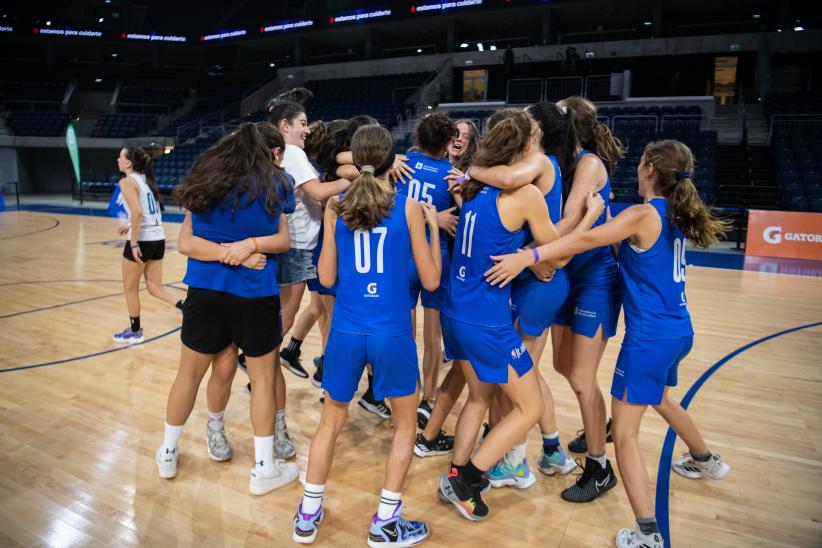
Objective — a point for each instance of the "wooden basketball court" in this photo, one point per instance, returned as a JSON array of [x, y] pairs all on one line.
[[79, 423]]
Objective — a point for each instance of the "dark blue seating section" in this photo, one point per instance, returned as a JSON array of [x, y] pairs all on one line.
[[13, 92], [123, 125], [792, 103], [624, 182], [798, 160], [170, 168], [383, 97], [37, 123], [210, 100], [151, 99]]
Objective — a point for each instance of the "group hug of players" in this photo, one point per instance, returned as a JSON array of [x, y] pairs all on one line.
[[505, 236]]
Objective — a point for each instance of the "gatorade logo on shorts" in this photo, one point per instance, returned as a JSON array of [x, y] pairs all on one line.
[[461, 273]]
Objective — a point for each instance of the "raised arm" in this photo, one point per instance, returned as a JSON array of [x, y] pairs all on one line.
[[427, 255], [516, 175], [320, 192], [327, 265]]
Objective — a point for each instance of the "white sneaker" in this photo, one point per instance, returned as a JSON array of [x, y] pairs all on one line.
[[714, 467], [282, 474], [219, 448], [627, 538], [166, 462]]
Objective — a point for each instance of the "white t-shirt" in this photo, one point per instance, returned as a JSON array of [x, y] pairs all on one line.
[[304, 223]]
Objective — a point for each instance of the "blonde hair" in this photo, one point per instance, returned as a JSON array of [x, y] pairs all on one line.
[[367, 202], [674, 167]]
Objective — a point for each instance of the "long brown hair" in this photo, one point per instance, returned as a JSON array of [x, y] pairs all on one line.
[[314, 141], [467, 156], [593, 135], [273, 138], [559, 137], [674, 166], [506, 137], [367, 202], [237, 168], [141, 163]]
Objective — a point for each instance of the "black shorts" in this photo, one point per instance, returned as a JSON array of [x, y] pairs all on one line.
[[214, 319], [153, 250]]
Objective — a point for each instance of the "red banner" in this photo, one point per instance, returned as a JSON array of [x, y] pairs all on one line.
[[787, 234]]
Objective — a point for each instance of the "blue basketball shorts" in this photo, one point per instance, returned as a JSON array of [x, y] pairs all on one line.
[[536, 303], [430, 299], [590, 305], [644, 368]]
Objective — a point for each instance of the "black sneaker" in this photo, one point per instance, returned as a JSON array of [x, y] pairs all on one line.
[[579, 443], [291, 361], [424, 413], [465, 498], [371, 405], [593, 482], [441, 445], [317, 377]]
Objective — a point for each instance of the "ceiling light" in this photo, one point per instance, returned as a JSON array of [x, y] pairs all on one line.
[[493, 48], [115, 55], [419, 50], [464, 45], [100, 20], [98, 80], [757, 15], [480, 47], [48, 23], [798, 28], [647, 23], [272, 65]]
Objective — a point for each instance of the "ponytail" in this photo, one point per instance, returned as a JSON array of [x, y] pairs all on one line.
[[141, 163], [367, 202], [607, 146], [674, 165], [592, 134], [559, 137]]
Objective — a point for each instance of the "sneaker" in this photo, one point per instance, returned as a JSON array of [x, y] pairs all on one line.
[[218, 447], [441, 445], [127, 336], [282, 474], [317, 377], [166, 462], [465, 498], [424, 413], [627, 538], [714, 467], [306, 525], [558, 461], [291, 360], [283, 446], [580, 445], [505, 474], [593, 482], [371, 405], [396, 531]]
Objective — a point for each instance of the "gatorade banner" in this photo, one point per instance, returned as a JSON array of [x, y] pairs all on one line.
[[787, 234], [74, 152]]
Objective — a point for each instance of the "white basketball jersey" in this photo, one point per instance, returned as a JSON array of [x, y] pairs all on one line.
[[151, 223]]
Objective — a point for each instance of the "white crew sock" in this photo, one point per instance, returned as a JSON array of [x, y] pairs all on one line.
[[216, 422], [312, 498], [264, 454], [389, 500], [516, 454], [171, 436], [601, 459]]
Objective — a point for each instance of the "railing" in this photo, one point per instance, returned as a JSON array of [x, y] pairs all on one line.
[[668, 118], [525, 90], [795, 122], [560, 87], [598, 87]]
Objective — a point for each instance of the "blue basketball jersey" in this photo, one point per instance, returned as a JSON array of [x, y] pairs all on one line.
[[428, 185], [595, 265], [653, 284], [373, 274], [480, 234]]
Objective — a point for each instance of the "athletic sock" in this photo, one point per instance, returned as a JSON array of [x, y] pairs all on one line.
[[294, 345], [702, 457], [264, 454], [457, 467], [599, 458], [135, 323], [516, 454], [180, 304], [647, 526], [171, 435], [550, 443], [471, 473], [279, 421], [216, 422], [371, 383], [312, 498], [389, 500]]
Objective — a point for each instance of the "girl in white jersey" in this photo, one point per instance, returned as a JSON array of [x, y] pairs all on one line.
[[145, 244]]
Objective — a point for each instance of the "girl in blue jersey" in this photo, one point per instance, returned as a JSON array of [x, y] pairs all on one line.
[[371, 235], [658, 330], [233, 194], [429, 160], [477, 324], [536, 299]]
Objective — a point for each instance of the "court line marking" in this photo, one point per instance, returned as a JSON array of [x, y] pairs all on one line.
[[95, 354], [666, 455], [55, 225], [34, 282], [100, 297]]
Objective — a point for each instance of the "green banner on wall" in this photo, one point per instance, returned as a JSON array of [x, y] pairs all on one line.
[[74, 152]]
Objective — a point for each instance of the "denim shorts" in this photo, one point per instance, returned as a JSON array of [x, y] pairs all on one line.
[[295, 266]]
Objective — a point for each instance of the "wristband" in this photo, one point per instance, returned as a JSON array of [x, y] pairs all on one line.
[[535, 253], [459, 180], [256, 245], [135, 246]]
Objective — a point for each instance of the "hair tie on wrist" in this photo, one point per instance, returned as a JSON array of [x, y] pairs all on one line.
[[134, 246], [367, 169], [535, 253], [682, 175]]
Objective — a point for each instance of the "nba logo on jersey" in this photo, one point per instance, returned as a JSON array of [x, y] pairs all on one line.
[[372, 290]]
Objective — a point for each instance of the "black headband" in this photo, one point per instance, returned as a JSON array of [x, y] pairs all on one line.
[[682, 175]]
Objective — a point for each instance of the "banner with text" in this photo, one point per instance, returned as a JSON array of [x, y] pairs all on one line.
[[788, 234]]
